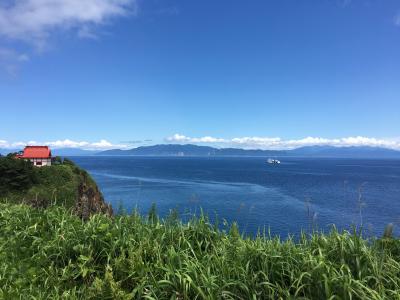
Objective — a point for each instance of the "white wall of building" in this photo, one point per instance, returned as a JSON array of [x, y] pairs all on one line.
[[40, 162]]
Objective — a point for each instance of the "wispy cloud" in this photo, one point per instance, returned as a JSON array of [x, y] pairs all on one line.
[[87, 33], [278, 143], [397, 19], [35, 20], [10, 60], [67, 143], [171, 10]]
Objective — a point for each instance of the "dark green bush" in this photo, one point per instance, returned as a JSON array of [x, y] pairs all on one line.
[[16, 175], [56, 184]]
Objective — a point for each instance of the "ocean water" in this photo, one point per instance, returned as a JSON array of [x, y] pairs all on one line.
[[298, 194]]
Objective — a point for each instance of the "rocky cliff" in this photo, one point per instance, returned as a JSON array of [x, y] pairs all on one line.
[[90, 201], [64, 184]]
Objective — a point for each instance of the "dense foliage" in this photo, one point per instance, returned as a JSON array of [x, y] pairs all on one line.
[[21, 182], [50, 253], [15, 175]]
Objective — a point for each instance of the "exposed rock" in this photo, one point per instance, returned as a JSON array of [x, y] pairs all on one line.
[[90, 201]]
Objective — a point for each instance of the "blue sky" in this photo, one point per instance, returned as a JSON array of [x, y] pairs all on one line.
[[254, 74]]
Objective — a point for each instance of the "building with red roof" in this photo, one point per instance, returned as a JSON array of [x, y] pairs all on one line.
[[38, 155]]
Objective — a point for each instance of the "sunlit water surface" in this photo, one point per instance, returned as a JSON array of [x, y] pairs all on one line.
[[287, 198]]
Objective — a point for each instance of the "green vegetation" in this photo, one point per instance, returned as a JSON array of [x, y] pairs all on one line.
[[51, 253], [57, 184], [15, 175], [58, 246]]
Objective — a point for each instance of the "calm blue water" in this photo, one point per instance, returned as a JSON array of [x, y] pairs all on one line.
[[285, 198]]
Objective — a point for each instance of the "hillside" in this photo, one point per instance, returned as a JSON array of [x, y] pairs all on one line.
[[189, 150], [311, 151], [63, 184], [164, 150]]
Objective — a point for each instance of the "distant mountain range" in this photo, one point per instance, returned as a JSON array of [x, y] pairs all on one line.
[[310, 151], [345, 152], [205, 151], [187, 150]]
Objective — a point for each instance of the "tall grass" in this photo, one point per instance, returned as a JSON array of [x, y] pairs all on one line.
[[50, 253]]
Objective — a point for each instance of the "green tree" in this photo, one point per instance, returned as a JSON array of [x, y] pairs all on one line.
[[16, 174]]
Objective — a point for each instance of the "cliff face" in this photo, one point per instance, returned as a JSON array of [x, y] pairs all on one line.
[[90, 201], [62, 184]]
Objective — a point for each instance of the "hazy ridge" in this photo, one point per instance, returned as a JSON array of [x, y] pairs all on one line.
[[310, 151], [206, 151]]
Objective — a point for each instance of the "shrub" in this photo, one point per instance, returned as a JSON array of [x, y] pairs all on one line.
[[15, 175], [20, 181]]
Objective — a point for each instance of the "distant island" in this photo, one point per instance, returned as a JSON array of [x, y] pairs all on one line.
[[206, 151]]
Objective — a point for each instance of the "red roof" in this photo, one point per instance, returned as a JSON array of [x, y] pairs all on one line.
[[36, 152]]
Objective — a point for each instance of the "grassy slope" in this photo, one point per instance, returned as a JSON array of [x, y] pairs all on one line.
[[57, 184], [50, 253]]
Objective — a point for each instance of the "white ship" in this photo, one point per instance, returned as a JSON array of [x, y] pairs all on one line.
[[273, 161]]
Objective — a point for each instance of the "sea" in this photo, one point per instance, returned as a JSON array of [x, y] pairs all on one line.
[[298, 195]]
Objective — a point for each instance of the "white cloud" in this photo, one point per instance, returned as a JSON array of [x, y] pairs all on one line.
[[35, 20], [184, 139], [178, 138], [278, 143], [273, 143], [103, 144], [3, 144], [207, 139], [67, 143]]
